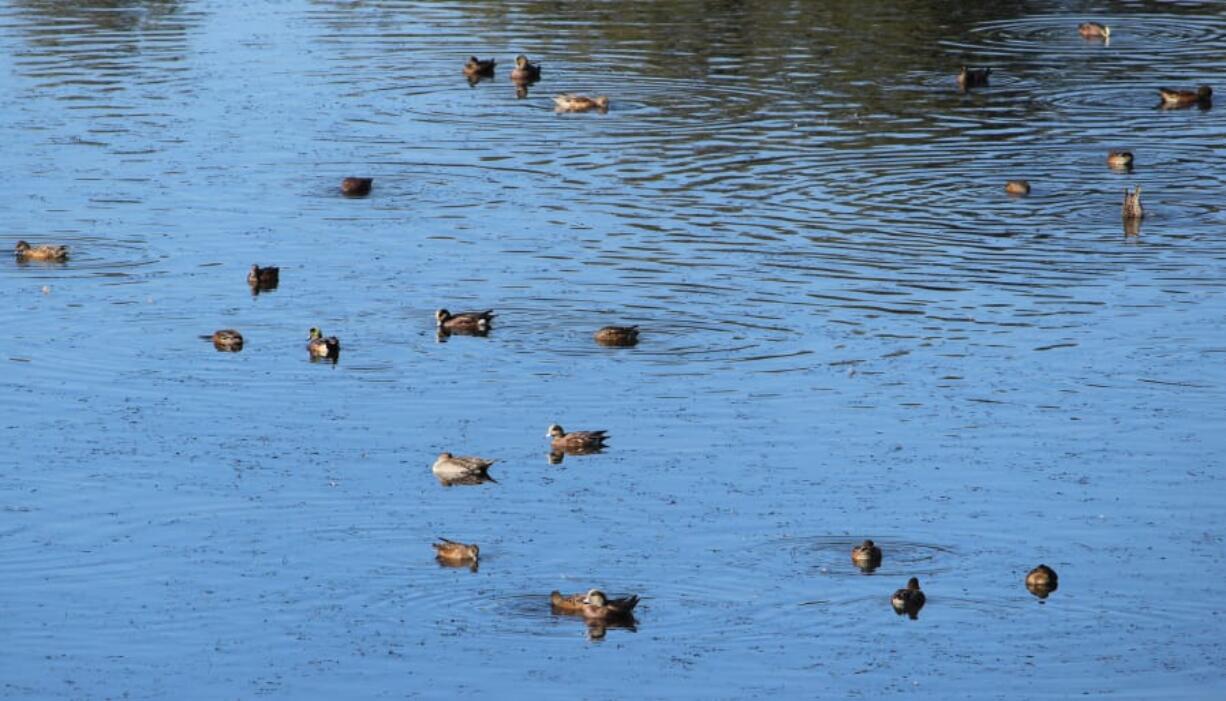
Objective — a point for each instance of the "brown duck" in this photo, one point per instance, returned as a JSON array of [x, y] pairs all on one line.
[[973, 77], [1132, 203], [478, 68], [580, 103], [866, 555], [1042, 581], [1202, 96], [576, 442], [1119, 159], [24, 251], [452, 552], [464, 322], [598, 607], [908, 600], [264, 278], [226, 340], [617, 336], [356, 187], [525, 71], [1017, 187]]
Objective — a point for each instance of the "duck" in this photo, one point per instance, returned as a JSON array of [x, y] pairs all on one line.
[[1017, 187], [580, 103], [464, 322], [576, 442], [525, 71], [1202, 96], [566, 603], [476, 67], [24, 251], [450, 551], [322, 347], [1094, 30], [226, 340], [1119, 159], [866, 555], [1132, 203], [908, 600], [356, 187], [617, 336], [1042, 581], [264, 278], [462, 469], [598, 607], [973, 77]]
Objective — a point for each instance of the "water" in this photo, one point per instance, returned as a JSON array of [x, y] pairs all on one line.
[[849, 331]]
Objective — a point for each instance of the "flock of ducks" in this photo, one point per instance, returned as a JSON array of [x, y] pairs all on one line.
[[1119, 160], [594, 606]]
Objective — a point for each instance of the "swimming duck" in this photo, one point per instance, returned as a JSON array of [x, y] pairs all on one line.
[[1017, 187], [525, 71], [1132, 204], [908, 600], [973, 77], [464, 322], [264, 278], [576, 442], [356, 187], [1094, 30], [617, 336], [580, 103], [461, 469], [1119, 159], [226, 340], [24, 251], [476, 67], [1042, 581], [598, 607], [322, 347], [866, 555], [459, 553], [1202, 96]]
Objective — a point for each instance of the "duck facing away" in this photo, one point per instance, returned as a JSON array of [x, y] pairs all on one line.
[[478, 68], [866, 556], [452, 552], [465, 322], [461, 469], [525, 71], [973, 77], [598, 607], [1132, 203], [1119, 159], [1094, 30], [580, 103], [1202, 96], [617, 336], [908, 600], [576, 442], [356, 187], [1017, 187], [264, 278], [24, 251], [321, 346], [226, 340], [1042, 581]]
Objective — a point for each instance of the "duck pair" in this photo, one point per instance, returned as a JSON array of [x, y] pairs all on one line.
[[318, 346], [524, 72], [471, 469]]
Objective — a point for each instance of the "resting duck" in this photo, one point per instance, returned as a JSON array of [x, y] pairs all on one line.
[[617, 336], [461, 469], [449, 551], [566, 603], [1132, 203], [264, 278], [908, 600], [478, 68], [356, 187], [598, 607], [1017, 187], [464, 322], [1119, 159], [973, 77], [576, 442], [226, 340], [24, 251], [525, 71], [1202, 96], [1042, 581], [866, 555], [1094, 30], [320, 346], [580, 103]]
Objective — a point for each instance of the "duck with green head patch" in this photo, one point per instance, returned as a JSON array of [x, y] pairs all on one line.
[[320, 346]]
